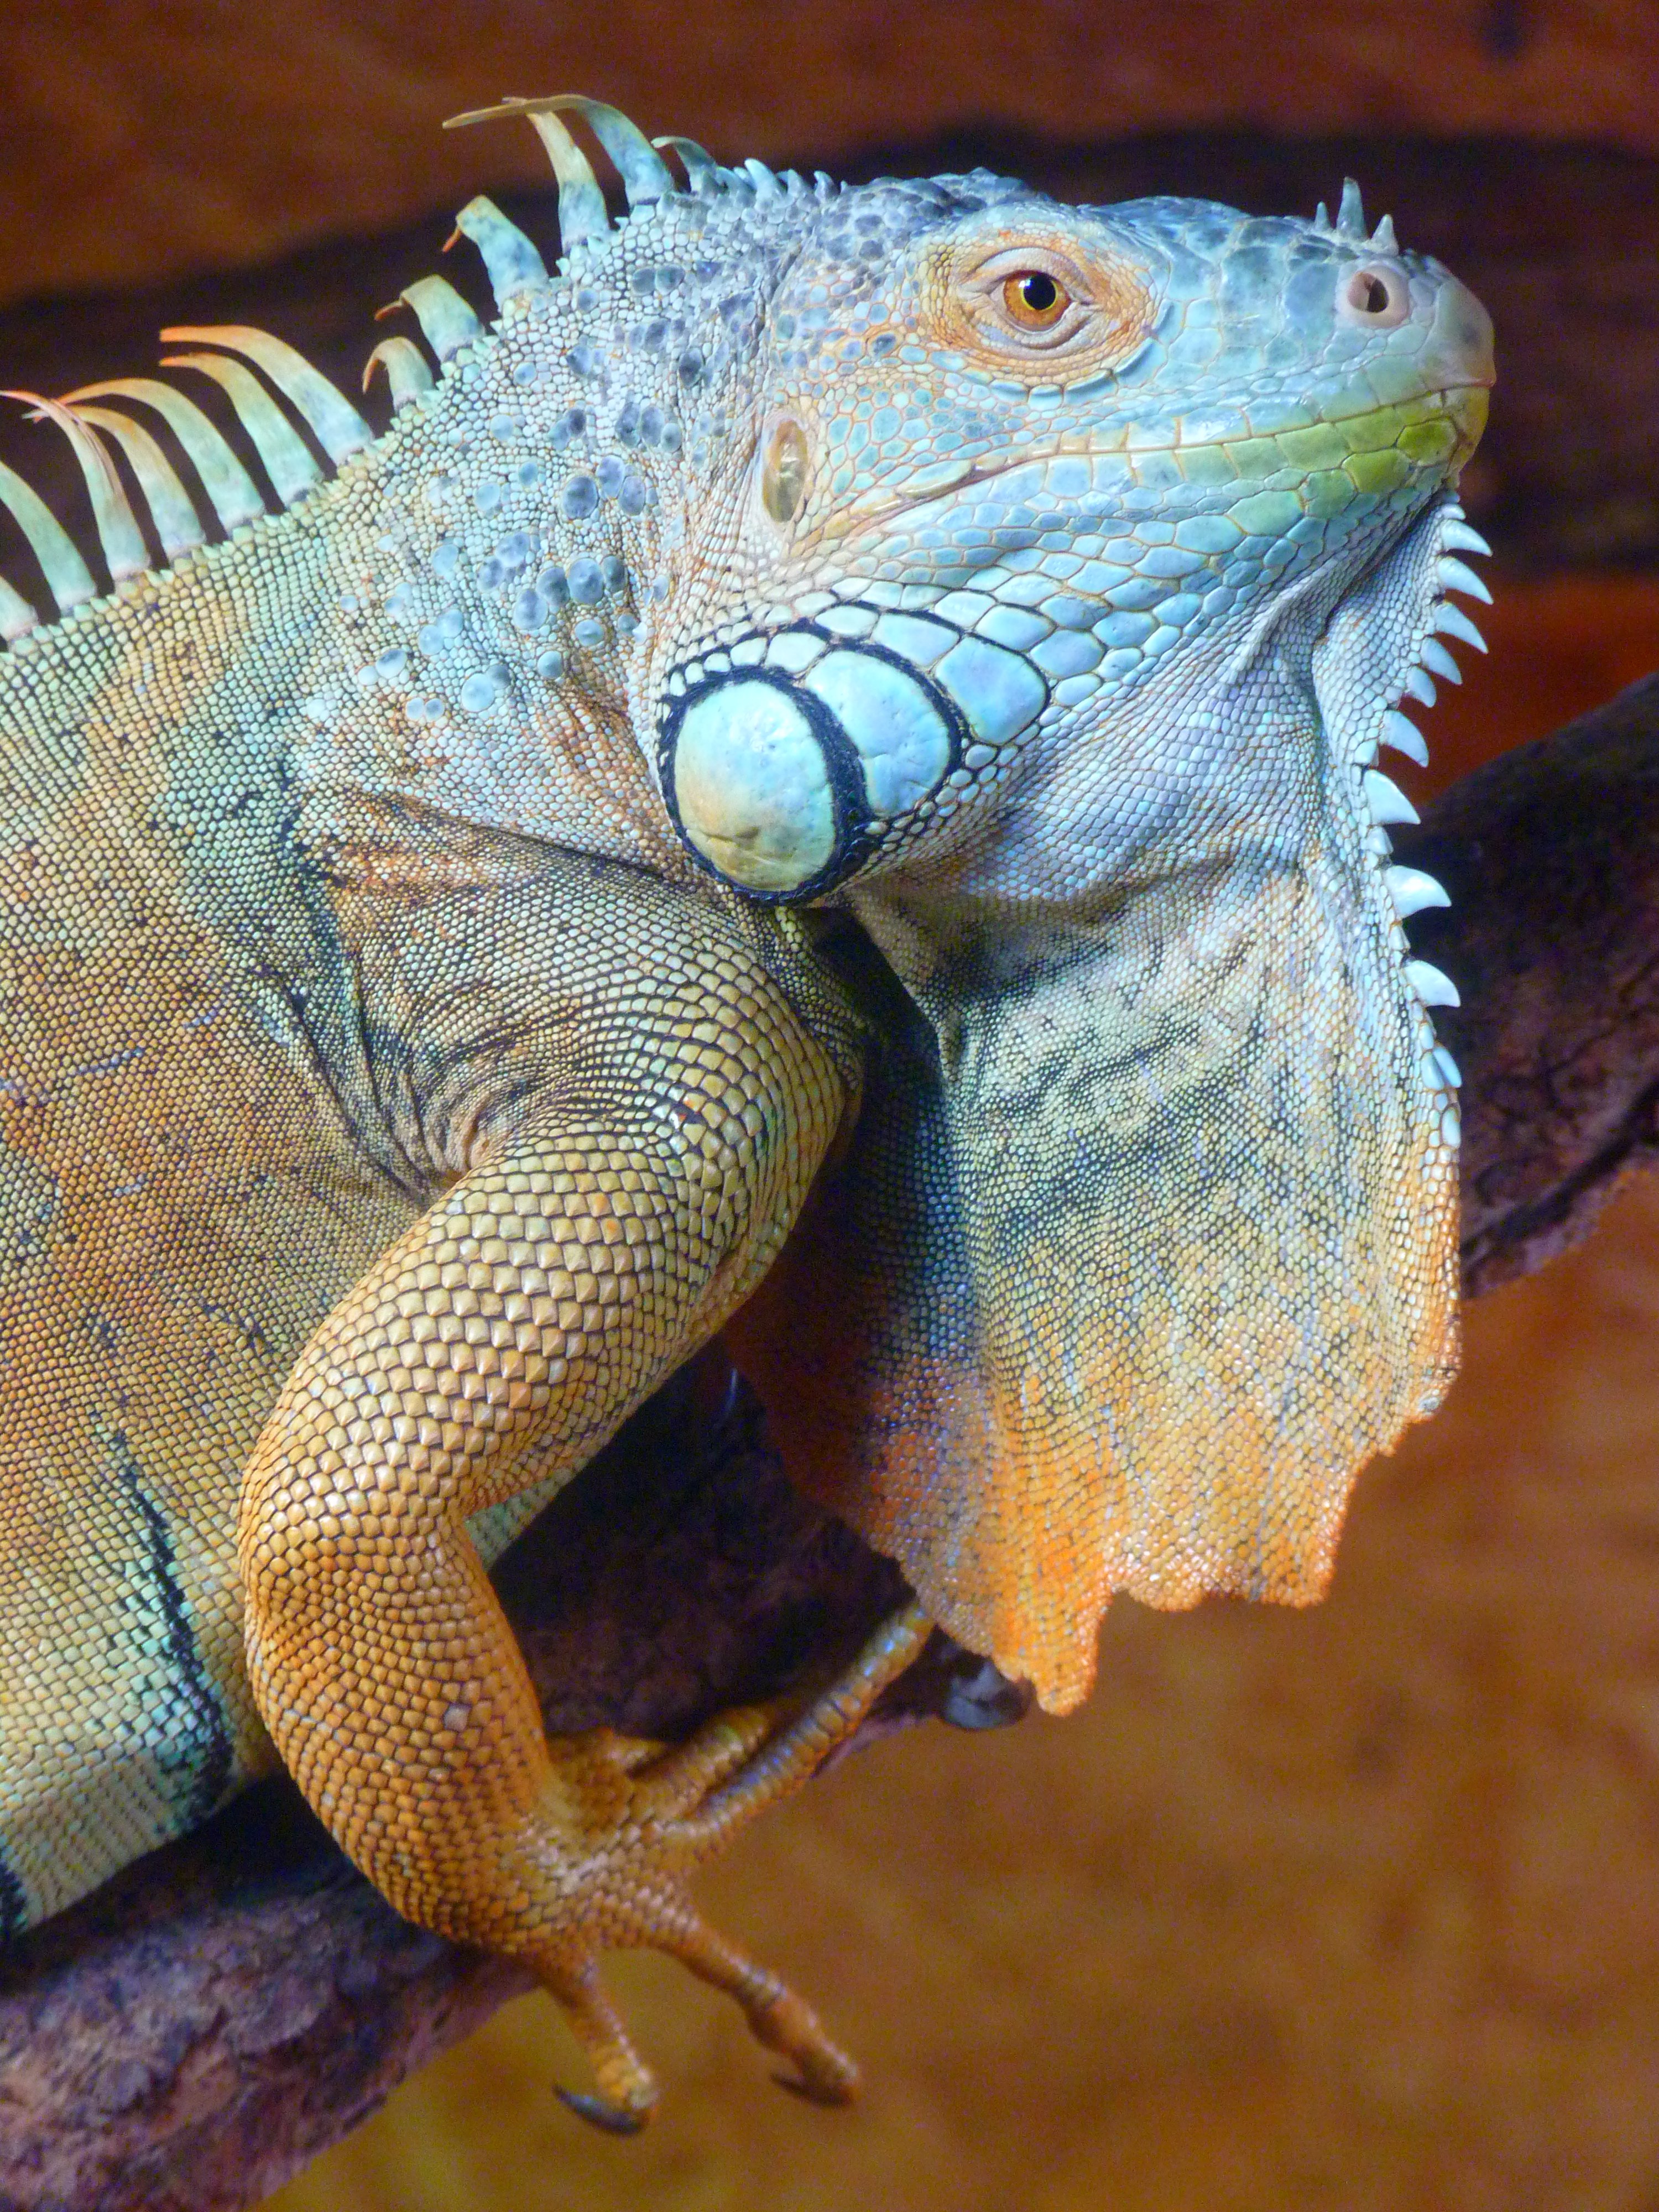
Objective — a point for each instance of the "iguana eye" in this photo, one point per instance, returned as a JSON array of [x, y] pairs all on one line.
[[1033, 300], [1023, 303]]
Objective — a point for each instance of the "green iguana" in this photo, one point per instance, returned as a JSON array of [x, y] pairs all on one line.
[[919, 630]]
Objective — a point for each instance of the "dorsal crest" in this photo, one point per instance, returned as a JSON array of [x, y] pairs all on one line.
[[298, 425]]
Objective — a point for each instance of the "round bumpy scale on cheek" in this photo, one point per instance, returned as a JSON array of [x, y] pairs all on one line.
[[901, 740], [752, 787]]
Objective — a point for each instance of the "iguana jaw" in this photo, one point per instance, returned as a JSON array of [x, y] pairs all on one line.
[[1436, 428]]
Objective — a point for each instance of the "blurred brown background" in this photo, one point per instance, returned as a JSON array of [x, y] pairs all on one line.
[[1351, 1909]]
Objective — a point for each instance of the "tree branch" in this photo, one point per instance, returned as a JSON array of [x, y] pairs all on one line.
[[1550, 854]]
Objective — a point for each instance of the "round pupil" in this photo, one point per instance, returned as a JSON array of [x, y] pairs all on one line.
[[1038, 292]]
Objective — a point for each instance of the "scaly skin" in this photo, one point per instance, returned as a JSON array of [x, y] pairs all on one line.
[[415, 1047]]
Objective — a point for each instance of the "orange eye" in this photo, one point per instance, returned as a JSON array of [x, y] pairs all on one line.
[[1033, 300]]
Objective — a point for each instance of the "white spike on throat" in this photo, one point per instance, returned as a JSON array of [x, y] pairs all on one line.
[[1404, 736], [1452, 622], [1432, 987], [1411, 891], [1457, 576], [1459, 536], [1385, 802]]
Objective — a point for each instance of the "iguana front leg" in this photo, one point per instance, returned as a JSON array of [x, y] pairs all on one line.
[[496, 1343]]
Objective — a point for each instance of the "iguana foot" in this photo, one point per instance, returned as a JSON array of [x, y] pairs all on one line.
[[647, 1817]]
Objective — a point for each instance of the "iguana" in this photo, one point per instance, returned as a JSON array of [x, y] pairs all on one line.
[[918, 639]]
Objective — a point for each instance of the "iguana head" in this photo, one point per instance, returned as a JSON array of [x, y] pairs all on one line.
[[1009, 478]]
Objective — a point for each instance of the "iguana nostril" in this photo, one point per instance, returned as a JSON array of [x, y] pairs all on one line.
[[1374, 296]]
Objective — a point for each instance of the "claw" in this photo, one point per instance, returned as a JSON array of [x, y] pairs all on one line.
[[809, 2095], [609, 2119], [627, 2088], [826, 2074]]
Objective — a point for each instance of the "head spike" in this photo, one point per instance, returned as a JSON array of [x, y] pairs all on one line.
[[406, 371], [582, 203], [287, 462], [177, 522], [67, 577], [703, 170], [122, 540], [645, 176], [447, 322], [341, 430], [234, 495], [1322, 218], [510, 258], [1351, 214], [1382, 237]]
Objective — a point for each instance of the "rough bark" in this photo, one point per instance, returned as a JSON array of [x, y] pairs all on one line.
[[1550, 854], [188, 2036]]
